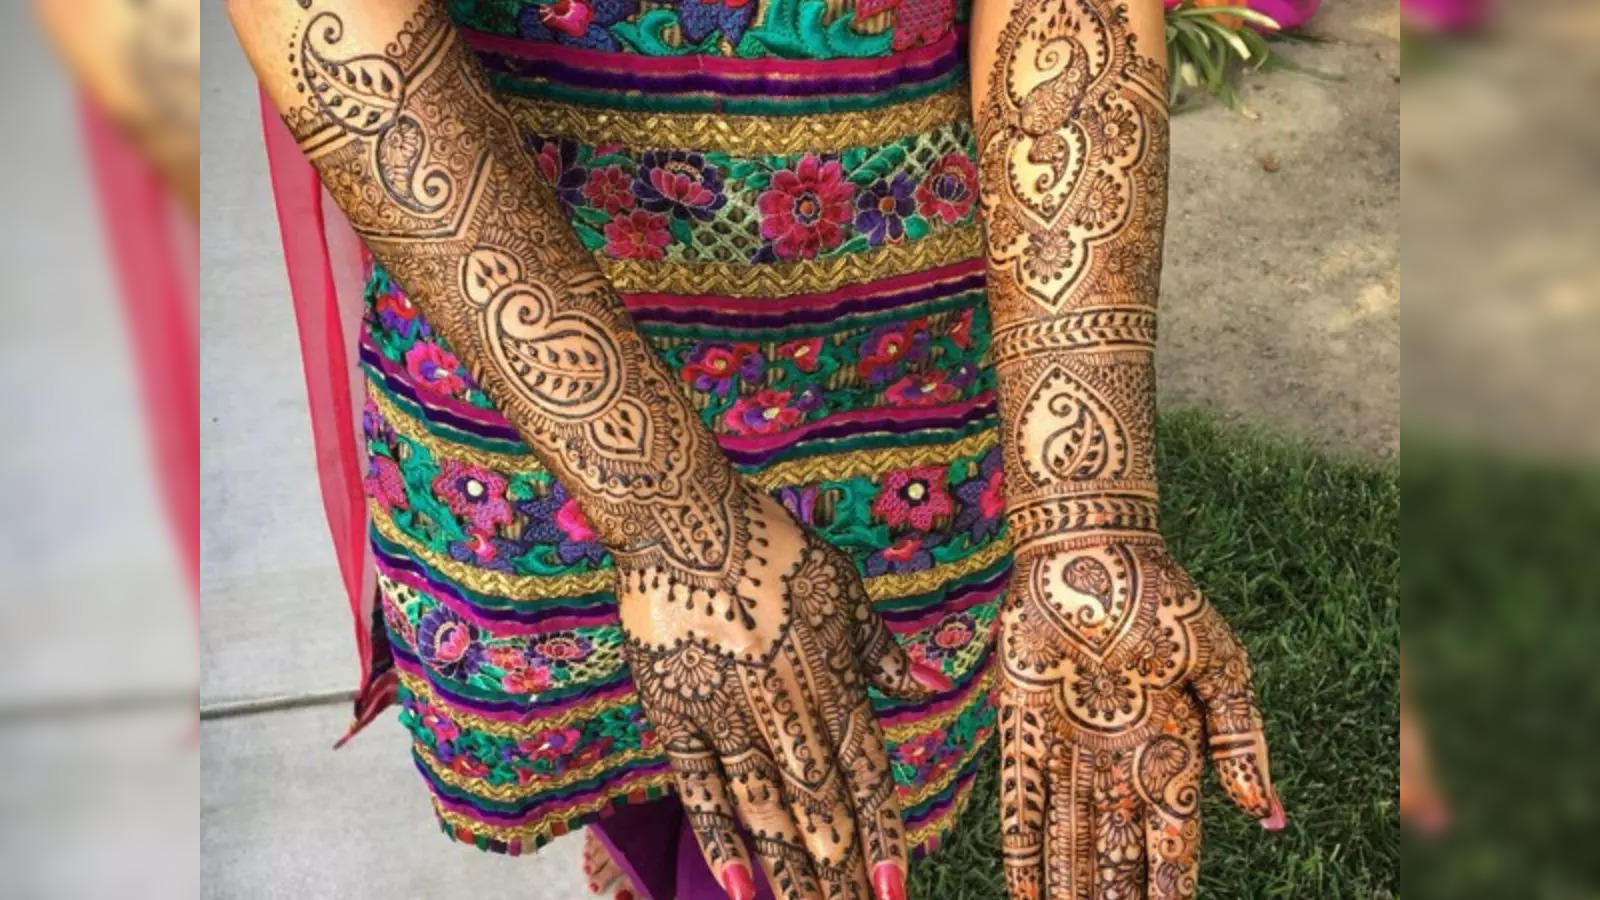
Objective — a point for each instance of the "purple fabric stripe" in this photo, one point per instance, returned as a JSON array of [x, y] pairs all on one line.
[[948, 598], [397, 385], [920, 427], [706, 82], [752, 321]]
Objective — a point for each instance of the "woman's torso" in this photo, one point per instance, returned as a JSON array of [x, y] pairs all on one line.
[[783, 191]]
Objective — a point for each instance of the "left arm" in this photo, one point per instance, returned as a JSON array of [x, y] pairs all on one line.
[[1116, 671]]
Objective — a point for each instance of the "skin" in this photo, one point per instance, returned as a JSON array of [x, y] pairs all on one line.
[[140, 63], [1118, 676], [751, 641]]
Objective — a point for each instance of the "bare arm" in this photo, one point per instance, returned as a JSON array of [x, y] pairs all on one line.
[[1117, 672], [750, 641]]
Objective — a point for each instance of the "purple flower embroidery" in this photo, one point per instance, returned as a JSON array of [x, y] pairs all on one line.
[[449, 644], [882, 208], [982, 500], [554, 519], [801, 502], [701, 18], [713, 366], [678, 182], [909, 554], [558, 163]]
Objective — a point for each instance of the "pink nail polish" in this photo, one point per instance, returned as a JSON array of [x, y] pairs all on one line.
[[736, 882], [930, 678], [888, 881], [1276, 820]]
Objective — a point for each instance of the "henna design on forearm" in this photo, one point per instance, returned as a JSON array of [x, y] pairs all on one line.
[[750, 641], [1112, 660], [436, 179]]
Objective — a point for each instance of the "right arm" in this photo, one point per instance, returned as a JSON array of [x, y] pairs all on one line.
[[750, 641]]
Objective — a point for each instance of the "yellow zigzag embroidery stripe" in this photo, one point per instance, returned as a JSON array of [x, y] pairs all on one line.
[[805, 276], [740, 135], [811, 470], [539, 587], [424, 691], [522, 588], [544, 827]]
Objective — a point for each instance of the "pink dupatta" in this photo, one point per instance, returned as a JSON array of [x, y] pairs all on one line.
[[326, 264]]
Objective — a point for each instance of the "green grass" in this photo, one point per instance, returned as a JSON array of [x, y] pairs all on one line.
[[1301, 553]]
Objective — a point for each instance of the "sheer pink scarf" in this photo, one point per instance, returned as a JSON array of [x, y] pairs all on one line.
[[326, 264]]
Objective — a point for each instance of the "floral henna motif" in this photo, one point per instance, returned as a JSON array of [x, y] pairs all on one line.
[[776, 731], [1117, 675]]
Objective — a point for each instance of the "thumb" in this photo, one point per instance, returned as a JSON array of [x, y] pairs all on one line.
[[1234, 733], [888, 667]]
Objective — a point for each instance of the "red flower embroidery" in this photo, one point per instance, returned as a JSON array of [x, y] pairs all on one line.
[[609, 189], [888, 345], [804, 212], [961, 330], [922, 390], [915, 497], [637, 235], [569, 518], [949, 189], [805, 354], [476, 494], [768, 412]]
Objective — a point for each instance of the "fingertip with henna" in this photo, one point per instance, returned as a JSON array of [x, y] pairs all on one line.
[[1276, 820], [930, 678], [737, 883], [889, 881]]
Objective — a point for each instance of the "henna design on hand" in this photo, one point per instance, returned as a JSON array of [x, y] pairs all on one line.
[[1116, 672], [752, 643]]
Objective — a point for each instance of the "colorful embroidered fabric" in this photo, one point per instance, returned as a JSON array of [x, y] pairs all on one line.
[[796, 236]]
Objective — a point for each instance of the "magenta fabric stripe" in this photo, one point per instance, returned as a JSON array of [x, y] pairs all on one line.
[[961, 697], [725, 66], [953, 603], [926, 416]]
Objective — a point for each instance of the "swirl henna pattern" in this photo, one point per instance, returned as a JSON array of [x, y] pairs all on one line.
[[1117, 674], [751, 642]]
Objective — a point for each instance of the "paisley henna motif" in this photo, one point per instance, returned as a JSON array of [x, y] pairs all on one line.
[[1117, 673]]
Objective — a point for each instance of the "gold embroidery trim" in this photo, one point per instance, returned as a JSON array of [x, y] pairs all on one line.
[[811, 470], [522, 588], [743, 135], [564, 815], [424, 692], [541, 587], [804, 276]]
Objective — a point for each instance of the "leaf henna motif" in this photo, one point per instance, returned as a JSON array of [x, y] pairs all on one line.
[[363, 93], [402, 167], [1087, 439]]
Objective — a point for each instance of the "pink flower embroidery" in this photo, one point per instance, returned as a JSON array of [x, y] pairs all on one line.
[[474, 493], [435, 369], [609, 189], [768, 412], [949, 189], [915, 497], [570, 17], [804, 211], [638, 235], [570, 519], [384, 483], [961, 331]]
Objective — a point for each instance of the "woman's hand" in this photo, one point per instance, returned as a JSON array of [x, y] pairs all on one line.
[[1116, 675], [758, 684]]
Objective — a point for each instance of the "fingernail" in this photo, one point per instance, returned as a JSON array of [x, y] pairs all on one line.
[[930, 678], [736, 882], [889, 881], [1276, 819]]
